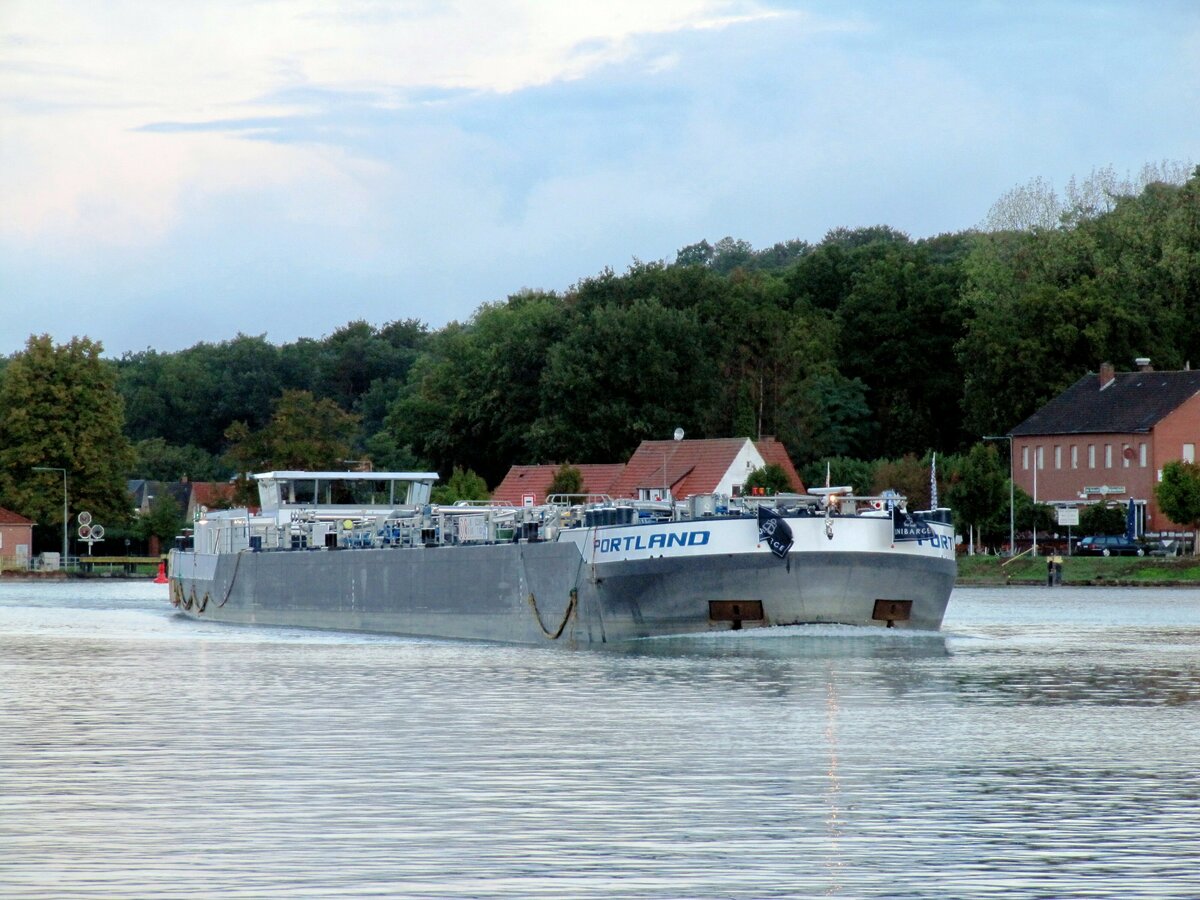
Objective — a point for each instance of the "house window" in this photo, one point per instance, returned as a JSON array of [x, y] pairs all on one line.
[[1091, 456], [1025, 458], [1126, 456], [1041, 457], [1074, 456], [1142, 455], [1189, 453], [1108, 456], [1058, 456]]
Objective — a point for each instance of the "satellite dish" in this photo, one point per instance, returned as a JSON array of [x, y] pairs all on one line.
[[85, 518], [679, 434]]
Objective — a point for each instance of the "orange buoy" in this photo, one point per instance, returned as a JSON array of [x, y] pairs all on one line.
[[162, 573]]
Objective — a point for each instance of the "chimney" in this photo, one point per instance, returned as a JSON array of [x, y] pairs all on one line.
[[1107, 373], [1143, 364]]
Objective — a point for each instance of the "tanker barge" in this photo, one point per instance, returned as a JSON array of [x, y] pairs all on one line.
[[368, 552]]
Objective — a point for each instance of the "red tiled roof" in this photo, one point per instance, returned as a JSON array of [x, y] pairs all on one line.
[[774, 452], [524, 480], [206, 493], [8, 517], [693, 467]]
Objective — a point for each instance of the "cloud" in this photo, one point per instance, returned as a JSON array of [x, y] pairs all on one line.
[[157, 101]]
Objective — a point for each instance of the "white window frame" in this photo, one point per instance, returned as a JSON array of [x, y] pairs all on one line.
[[1189, 453], [1074, 456], [1091, 456], [1108, 456]]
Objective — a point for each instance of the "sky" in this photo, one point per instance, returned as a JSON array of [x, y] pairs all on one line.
[[177, 172]]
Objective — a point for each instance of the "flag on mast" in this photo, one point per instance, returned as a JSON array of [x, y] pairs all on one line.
[[826, 473], [933, 500]]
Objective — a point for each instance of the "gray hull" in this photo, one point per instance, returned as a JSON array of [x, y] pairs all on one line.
[[537, 593]]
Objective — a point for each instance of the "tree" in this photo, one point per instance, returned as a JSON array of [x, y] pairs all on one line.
[[978, 492], [462, 485], [908, 476], [567, 480], [770, 478], [1178, 495], [1099, 518], [157, 460], [624, 374], [162, 522], [61, 409], [304, 433]]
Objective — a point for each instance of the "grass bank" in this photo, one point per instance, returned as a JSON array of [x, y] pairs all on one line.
[[1082, 570]]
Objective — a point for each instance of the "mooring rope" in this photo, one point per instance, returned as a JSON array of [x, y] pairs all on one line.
[[561, 625], [229, 590]]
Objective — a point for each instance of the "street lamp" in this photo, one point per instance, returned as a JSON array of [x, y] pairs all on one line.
[[64, 473], [1012, 477]]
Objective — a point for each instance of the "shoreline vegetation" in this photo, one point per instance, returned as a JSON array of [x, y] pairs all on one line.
[[1081, 571]]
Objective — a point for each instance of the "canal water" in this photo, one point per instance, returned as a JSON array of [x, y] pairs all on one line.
[[1045, 745]]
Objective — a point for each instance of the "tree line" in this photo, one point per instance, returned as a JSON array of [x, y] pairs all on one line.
[[867, 346]]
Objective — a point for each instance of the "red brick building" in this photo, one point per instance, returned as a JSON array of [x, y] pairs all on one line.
[[1107, 438], [16, 539]]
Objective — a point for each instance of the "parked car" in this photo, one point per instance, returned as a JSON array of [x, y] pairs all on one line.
[[1109, 545]]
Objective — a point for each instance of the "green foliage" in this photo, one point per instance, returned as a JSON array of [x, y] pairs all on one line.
[[628, 374], [157, 460], [978, 491], [908, 476], [61, 409], [771, 478], [567, 480], [462, 485], [304, 433], [1032, 515], [1178, 494], [164, 520], [1099, 518]]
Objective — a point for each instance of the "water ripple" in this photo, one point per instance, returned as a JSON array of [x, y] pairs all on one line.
[[1031, 751]]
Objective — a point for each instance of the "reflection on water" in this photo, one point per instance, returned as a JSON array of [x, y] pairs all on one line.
[[1042, 746]]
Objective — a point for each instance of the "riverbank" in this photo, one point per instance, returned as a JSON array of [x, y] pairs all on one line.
[[1081, 571]]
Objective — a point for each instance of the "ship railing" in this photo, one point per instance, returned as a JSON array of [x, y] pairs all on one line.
[[579, 500]]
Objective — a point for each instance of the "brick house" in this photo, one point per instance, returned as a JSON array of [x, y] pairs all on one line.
[[16, 539], [678, 468], [1107, 437]]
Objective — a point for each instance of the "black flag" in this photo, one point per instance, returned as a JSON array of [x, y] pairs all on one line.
[[906, 528], [774, 531]]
